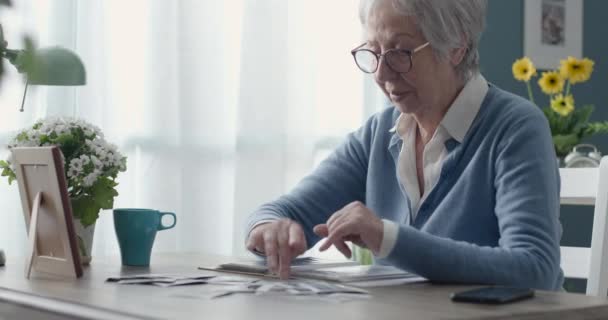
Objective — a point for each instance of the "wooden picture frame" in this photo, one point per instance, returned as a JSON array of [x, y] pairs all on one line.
[[52, 246], [553, 30]]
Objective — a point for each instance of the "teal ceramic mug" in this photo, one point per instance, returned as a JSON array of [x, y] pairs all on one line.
[[136, 230]]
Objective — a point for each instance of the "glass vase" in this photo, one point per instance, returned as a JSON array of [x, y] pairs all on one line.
[[84, 239]]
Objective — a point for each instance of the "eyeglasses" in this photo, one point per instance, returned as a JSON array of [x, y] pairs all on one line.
[[398, 60]]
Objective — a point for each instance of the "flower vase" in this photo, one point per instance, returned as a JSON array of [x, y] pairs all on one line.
[[84, 239]]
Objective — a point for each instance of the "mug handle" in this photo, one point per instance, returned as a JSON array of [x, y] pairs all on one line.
[[160, 222]]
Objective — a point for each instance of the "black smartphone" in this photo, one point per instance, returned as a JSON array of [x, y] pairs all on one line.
[[493, 295]]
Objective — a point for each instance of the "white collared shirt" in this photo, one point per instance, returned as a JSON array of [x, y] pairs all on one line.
[[454, 124]]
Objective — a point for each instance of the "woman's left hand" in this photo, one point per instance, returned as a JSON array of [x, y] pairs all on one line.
[[356, 223]]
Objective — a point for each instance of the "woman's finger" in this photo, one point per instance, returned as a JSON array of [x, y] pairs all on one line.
[[270, 248], [338, 220], [321, 230], [297, 240], [254, 242], [343, 248], [284, 250], [334, 217], [336, 235]]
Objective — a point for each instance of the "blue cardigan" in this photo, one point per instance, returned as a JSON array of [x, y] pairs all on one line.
[[492, 218]]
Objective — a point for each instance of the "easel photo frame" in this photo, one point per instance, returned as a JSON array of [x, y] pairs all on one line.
[[52, 246]]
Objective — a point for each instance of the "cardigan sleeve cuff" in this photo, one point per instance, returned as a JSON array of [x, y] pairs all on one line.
[[389, 238]]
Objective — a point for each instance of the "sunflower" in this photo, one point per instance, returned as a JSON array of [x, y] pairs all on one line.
[[523, 69], [576, 70], [551, 82], [563, 105]]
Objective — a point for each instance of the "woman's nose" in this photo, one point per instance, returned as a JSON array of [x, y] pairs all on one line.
[[384, 72]]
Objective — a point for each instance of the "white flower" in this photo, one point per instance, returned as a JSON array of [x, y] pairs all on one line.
[[34, 137], [85, 159], [29, 143], [90, 179], [72, 173], [92, 158], [61, 129], [75, 168], [97, 163]]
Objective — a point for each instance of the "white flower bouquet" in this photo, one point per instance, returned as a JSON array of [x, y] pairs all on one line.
[[91, 164]]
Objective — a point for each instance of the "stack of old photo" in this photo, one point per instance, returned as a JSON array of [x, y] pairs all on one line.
[[162, 280], [362, 275], [260, 267], [300, 288], [224, 286], [337, 271]]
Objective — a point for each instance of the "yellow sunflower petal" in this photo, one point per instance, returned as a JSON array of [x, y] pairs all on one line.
[[562, 105], [551, 82], [576, 70], [523, 69], [565, 66]]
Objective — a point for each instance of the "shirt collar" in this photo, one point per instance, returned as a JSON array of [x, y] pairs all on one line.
[[463, 110], [461, 113]]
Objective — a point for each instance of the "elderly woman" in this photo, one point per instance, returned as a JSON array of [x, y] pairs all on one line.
[[458, 182]]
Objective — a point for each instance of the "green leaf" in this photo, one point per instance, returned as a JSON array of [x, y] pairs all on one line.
[[581, 116], [7, 171], [22, 137], [44, 139], [99, 196], [564, 143], [573, 127], [557, 122], [595, 127], [85, 209], [68, 144], [104, 192]]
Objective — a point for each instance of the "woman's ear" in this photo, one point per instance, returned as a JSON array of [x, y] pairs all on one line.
[[457, 55]]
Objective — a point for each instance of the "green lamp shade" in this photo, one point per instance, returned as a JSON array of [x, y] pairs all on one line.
[[56, 66]]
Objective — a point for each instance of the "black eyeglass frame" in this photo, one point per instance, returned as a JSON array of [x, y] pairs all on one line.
[[379, 57]]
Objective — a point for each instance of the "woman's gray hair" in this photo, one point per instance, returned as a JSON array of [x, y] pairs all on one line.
[[446, 25]]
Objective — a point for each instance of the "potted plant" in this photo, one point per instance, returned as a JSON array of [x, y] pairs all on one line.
[[569, 124], [91, 165]]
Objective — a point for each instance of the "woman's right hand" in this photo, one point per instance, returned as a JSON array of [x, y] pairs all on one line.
[[281, 241]]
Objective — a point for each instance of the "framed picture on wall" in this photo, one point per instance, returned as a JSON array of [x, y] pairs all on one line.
[[553, 30]]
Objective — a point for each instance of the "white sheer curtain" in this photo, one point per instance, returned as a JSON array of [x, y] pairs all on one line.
[[219, 105]]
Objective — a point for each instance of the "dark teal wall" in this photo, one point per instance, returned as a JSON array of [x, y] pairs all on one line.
[[502, 43]]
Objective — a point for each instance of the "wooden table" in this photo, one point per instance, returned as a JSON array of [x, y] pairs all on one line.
[[92, 297]]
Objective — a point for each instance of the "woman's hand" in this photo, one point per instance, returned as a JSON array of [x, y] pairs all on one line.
[[280, 241], [356, 223]]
